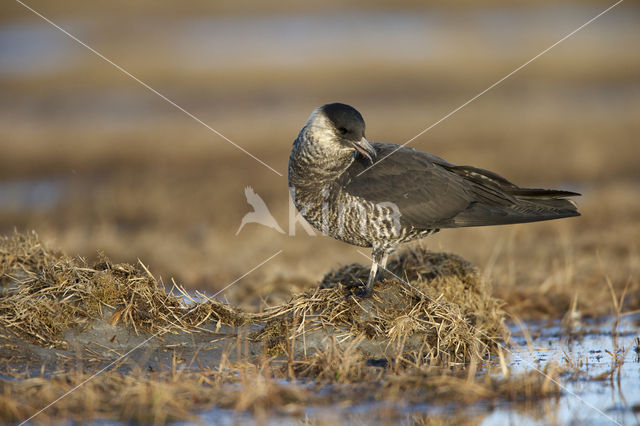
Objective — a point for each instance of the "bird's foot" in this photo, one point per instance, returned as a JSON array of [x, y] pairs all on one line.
[[364, 292]]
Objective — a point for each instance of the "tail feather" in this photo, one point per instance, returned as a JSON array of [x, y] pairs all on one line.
[[525, 210], [540, 193], [500, 202]]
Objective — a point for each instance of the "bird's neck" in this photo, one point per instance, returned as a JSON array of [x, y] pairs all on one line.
[[313, 164]]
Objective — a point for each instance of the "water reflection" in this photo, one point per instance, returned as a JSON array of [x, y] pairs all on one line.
[[36, 194]]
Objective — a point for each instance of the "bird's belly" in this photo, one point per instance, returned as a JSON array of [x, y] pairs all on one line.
[[354, 220]]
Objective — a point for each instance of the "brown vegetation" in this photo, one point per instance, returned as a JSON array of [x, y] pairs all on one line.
[[391, 348]]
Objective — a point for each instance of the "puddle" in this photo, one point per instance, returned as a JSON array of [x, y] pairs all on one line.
[[582, 395], [37, 194], [583, 401], [588, 395], [31, 48]]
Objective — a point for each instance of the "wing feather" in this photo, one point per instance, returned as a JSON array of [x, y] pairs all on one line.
[[432, 193]]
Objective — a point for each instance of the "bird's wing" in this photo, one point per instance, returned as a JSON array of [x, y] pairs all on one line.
[[426, 194], [432, 193]]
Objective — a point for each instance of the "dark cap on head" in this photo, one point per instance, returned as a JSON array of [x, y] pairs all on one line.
[[347, 121]]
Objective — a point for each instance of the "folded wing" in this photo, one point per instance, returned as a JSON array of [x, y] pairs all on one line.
[[432, 193]]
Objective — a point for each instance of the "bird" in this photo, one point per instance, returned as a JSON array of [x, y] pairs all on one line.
[[260, 213], [380, 195]]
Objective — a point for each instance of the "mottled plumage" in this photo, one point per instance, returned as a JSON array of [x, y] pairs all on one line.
[[380, 195]]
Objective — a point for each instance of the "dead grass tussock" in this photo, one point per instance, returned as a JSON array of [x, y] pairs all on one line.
[[340, 349], [21, 254], [48, 293], [442, 311]]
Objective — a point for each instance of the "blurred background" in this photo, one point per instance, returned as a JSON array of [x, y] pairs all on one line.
[[92, 161]]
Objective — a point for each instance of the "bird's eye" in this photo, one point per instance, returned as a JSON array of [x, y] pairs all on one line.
[[342, 131]]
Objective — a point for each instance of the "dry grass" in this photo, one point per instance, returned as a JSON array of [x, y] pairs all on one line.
[[161, 398], [443, 312], [388, 348], [51, 293], [48, 293]]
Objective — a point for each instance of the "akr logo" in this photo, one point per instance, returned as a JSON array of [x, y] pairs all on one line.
[[260, 214]]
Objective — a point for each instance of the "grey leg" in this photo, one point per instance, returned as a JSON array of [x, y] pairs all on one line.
[[380, 257], [383, 265], [368, 290]]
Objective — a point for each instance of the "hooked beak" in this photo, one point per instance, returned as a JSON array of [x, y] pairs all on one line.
[[365, 148]]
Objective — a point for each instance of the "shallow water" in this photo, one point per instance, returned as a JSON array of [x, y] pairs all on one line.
[[584, 400], [588, 395], [32, 194]]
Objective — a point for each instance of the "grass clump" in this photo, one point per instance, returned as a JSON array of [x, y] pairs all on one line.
[[433, 306], [323, 347], [47, 293]]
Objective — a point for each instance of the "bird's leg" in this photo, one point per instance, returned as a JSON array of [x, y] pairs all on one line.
[[380, 257], [383, 265], [368, 290]]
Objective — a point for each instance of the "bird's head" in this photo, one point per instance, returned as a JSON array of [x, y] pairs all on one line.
[[339, 127]]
